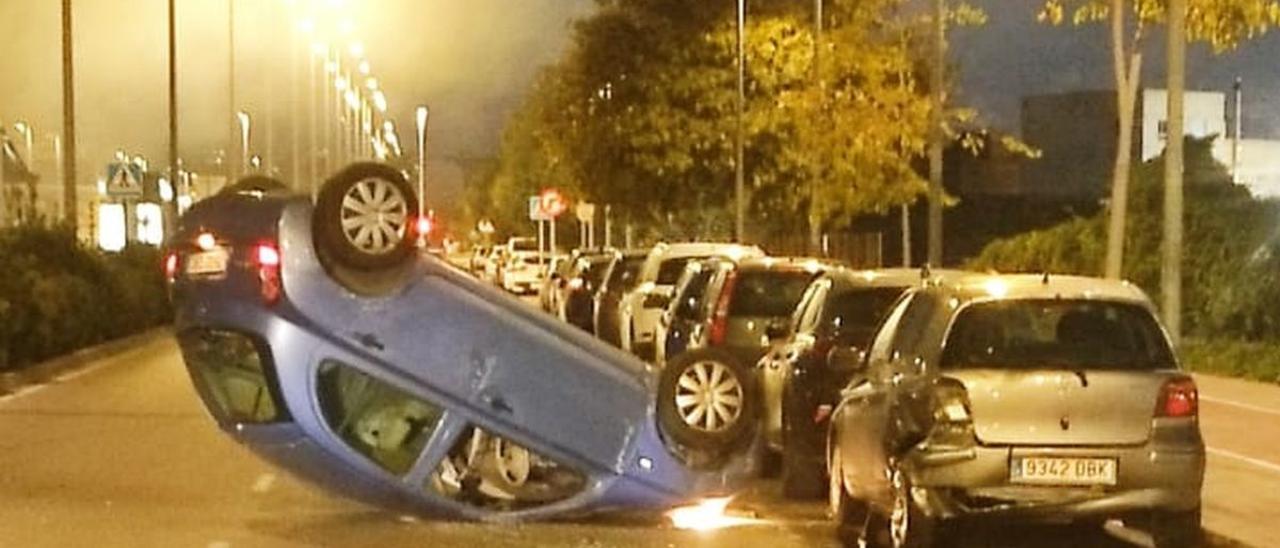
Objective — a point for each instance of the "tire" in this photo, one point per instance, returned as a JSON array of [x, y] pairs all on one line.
[[905, 526], [850, 515], [1176, 529], [382, 237], [707, 400]]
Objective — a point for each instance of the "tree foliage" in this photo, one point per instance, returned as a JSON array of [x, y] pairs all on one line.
[[1230, 257], [639, 114]]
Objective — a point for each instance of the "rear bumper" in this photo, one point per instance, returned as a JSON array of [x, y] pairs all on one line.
[[973, 483]]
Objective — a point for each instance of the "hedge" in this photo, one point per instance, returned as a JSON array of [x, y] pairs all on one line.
[[58, 296]]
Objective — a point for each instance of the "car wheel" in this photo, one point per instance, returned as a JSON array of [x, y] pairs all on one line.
[[1176, 529], [707, 400], [802, 473], [363, 218], [905, 526], [849, 514]]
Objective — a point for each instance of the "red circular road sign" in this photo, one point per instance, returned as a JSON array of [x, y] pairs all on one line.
[[552, 203]]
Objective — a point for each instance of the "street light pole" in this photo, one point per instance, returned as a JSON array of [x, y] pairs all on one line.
[[1171, 269], [174, 176], [71, 209], [231, 91], [244, 142], [936, 134], [739, 176]]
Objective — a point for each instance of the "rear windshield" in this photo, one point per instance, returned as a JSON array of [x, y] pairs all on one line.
[[669, 271], [1056, 334], [856, 313], [595, 271], [524, 245], [768, 293], [624, 274]]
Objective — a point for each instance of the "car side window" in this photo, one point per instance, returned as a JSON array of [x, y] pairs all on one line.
[[882, 346], [813, 309]]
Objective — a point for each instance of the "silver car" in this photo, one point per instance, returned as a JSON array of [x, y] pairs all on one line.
[[1039, 398]]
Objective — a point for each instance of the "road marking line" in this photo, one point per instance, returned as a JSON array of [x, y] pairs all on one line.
[[1250, 407], [264, 483], [1244, 458]]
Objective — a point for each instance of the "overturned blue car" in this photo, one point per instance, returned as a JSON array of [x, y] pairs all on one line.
[[319, 337]]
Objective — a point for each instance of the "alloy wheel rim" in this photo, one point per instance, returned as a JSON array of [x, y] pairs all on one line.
[[375, 216], [900, 518], [709, 396]]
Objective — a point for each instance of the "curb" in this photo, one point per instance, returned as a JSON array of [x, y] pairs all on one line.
[[41, 373]]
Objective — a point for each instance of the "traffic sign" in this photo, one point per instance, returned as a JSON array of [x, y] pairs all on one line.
[[553, 203], [535, 210], [585, 212], [124, 179]]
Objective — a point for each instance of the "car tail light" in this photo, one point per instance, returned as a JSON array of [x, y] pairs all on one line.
[[266, 257], [423, 226], [171, 266], [1178, 398], [720, 320], [952, 415]]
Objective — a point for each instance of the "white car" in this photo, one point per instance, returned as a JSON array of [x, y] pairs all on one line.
[[523, 272], [642, 306]]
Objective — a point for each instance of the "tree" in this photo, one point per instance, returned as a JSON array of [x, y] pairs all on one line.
[[639, 114], [1223, 24]]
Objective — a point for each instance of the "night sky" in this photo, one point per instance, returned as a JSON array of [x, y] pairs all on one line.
[[472, 61]]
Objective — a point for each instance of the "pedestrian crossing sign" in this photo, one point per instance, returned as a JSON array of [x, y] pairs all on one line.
[[124, 179]]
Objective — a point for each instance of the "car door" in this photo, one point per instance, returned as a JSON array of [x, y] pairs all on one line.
[[779, 362], [864, 414]]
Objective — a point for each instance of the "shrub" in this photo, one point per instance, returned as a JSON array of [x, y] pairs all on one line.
[[57, 296]]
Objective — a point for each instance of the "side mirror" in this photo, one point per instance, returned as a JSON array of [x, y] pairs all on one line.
[[777, 330], [847, 360], [656, 300]]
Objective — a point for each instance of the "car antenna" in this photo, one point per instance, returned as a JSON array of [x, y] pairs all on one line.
[[1045, 279]]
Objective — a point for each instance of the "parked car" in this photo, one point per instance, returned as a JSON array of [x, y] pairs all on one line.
[[1017, 398], [390, 377], [684, 312], [549, 293], [494, 264], [479, 256], [619, 279], [522, 271], [587, 273], [842, 308], [638, 314]]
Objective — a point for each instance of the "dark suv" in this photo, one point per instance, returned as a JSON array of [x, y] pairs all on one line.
[[728, 330], [585, 274]]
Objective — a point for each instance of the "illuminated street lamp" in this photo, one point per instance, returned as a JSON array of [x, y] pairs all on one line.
[[243, 117], [421, 117]]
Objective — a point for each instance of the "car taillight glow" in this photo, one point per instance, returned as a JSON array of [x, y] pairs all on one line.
[[267, 259], [720, 320], [1179, 398], [952, 415], [171, 266], [423, 225]]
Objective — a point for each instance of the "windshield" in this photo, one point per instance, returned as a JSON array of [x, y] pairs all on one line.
[[771, 294], [857, 313], [1058, 333]]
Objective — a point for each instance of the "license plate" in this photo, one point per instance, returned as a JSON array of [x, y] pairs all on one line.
[[1063, 471], [207, 263]]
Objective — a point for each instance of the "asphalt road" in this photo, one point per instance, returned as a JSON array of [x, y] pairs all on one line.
[[121, 454]]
